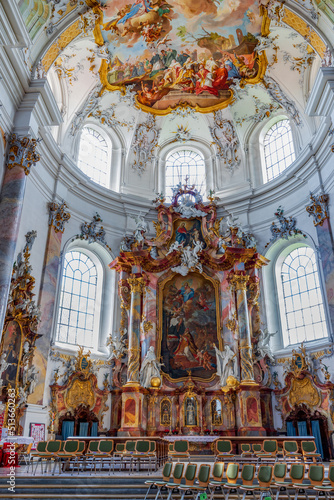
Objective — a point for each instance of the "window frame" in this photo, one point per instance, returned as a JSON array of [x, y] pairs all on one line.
[[273, 293], [107, 140], [197, 147], [271, 123], [195, 151], [106, 296], [282, 304]]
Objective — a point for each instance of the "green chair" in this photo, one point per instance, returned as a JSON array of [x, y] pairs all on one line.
[[231, 484], [39, 452], [176, 480], [70, 452], [189, 477], [196, 490], [181, 450], [309, 451], [290, 451], [247, 478], [129, 450], [50, 453], [264, 477], [257, 448], [166, 474], [297, 476], [224, 449], [104, 454], [142, 454], [217, 481], [269, 452], [246, 450], [328, 485], [89, 457]]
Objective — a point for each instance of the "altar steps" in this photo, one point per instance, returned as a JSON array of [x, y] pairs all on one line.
[[85, 487]]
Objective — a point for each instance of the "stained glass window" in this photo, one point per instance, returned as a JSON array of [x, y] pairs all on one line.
[[303, 304], [279, 151], [185, 165], [77, 309], [93, 157]]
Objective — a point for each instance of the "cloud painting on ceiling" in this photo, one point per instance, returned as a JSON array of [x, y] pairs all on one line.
[[182, 50]]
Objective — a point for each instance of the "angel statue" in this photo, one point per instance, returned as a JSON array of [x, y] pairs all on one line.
[[263, 346], [150, 368], [141, 228], [226, 364]]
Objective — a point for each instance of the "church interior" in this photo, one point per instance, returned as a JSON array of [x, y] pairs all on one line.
[[166, 207]]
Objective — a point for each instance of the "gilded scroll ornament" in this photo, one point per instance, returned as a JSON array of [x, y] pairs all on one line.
[[80, 393], [58, 216], [22, 153], [318, 208], [303, 391]]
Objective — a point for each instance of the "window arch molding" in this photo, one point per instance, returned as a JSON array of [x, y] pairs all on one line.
[[115, 144], [199, 147], [105, 298], [254, 140], [273, 290]]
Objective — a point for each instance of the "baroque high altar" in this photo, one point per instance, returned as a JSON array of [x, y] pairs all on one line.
[[190, 356]]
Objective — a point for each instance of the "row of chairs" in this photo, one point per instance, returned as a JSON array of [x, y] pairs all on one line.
[[71, 454], [269, 451], [184, 480]]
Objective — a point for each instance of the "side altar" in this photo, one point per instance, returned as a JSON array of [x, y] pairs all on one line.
[[190, 357]]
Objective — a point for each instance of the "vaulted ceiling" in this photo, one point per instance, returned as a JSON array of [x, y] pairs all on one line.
[[190, 68]]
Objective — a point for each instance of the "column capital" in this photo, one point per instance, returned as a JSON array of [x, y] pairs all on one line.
[[136, 284], [58, 216], [238, 281], [22, 153]]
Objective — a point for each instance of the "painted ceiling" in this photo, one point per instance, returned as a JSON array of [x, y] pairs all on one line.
[[212, 62]]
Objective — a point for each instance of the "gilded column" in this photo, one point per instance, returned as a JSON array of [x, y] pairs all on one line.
[[136, 284], [58, 216], [239, 284], [21, 156]]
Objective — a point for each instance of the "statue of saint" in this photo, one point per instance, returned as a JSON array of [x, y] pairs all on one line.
[[226, 364], [150, 368], [190, 412]]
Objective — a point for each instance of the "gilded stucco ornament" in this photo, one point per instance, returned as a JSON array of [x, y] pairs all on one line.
[[286, 228], [22, 152], [318, 209], [91, 232], [58, 216], [303, 391]]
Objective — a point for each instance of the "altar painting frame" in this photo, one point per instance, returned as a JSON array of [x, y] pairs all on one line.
[[160, 296], [197, 408], [178, 221], [6, 344]]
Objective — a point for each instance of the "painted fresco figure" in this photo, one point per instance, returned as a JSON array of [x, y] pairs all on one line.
[[187, 346], [181, 235], [150, 368], [225, 364]]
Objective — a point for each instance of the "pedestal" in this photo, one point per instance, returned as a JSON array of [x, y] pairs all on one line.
[[134, 419], [249, 420]]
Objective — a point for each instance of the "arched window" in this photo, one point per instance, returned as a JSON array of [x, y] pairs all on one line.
[[93, 157], [302, 309], [181, 165], [278, 149], [77, 310]]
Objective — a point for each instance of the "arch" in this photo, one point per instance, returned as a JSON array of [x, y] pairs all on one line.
[[216, 411], [106, 298], [274, 295]]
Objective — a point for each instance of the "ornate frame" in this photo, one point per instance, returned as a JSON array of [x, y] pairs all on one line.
[[164, 400], [160, 289], [220, 420]]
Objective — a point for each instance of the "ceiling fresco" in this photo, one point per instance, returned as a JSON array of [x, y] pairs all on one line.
[[162, 71], [181, 51]]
